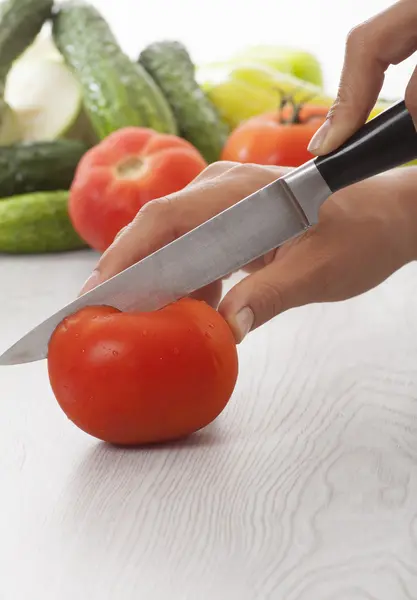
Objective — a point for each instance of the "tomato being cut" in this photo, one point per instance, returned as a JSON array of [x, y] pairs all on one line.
[[122, 173], [138, 378], [276, 138]]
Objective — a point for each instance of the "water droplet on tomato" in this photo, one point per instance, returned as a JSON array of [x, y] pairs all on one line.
[[208, 335], [211, 325], [176, 351], [145, 332], [115, 353]]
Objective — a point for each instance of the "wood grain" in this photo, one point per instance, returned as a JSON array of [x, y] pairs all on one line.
[[305, 488]]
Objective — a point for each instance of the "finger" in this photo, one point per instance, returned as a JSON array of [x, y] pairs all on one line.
[[297, 279], [161, 221], [353, 248], [387, 39]]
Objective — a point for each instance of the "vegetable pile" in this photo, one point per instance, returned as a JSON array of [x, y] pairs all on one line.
[[77, 115]]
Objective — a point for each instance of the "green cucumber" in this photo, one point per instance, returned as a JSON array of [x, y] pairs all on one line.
[[198, 120], [39, 166], [37, 223], [117, 93], [20, 22]]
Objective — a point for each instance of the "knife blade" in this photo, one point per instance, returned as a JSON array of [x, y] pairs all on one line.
[[235, 237]]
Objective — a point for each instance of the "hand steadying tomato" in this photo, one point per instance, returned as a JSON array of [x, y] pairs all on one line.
[[122, 173], [276, 138], [138, 378]]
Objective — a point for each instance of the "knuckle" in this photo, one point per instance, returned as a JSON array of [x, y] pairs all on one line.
[[356, 37], [245, 178], [217, 168], [121, 232], [213, 167], [156, 215], [155, 208], [211, 172], [247, 170], [220, 165]]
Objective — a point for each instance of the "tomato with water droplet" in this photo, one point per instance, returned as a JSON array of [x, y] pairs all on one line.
[[125, 387]]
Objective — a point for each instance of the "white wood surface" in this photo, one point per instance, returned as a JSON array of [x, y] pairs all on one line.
[[305, 488]]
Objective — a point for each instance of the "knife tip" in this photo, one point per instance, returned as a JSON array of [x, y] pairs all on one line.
[[13, 356]]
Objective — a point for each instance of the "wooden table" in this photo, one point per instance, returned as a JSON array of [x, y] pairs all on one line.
[[305, 488]]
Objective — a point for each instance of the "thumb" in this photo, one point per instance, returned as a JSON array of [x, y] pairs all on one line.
[[386, 39], [360, 83], [287, 282]]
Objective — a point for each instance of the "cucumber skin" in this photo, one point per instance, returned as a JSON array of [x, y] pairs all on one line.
[[20, 23], [37, 223], [39, 166], [199, 122], [117, 92]]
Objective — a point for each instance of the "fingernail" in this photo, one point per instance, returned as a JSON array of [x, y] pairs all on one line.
[[244, 321], [319, 138], [91, 282]]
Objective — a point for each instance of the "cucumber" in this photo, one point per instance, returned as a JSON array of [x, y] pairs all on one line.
[[117, 93], [20, 22], [37, 223], [39, 166], [198, 120]]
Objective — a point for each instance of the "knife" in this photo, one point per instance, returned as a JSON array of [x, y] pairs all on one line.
[[257, 224]]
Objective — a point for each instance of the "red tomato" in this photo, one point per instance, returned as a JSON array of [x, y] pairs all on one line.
[[275, 138], [118, 176], [138, 378]]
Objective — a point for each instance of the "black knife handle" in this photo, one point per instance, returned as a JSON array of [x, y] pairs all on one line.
[[388, 140]]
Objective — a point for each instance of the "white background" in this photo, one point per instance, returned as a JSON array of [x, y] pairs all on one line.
[[213, 29]]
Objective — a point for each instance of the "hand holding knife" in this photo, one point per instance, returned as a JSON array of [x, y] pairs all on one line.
[[248, 230]]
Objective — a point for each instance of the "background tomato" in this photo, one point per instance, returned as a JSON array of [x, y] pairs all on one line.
[[276, 138], [136, 378], [122, 173]]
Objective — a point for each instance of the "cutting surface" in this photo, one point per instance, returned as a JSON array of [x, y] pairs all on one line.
[[305, 488]]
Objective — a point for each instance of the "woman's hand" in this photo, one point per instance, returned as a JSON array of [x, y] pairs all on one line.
[[387, 39], [365, 233]]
